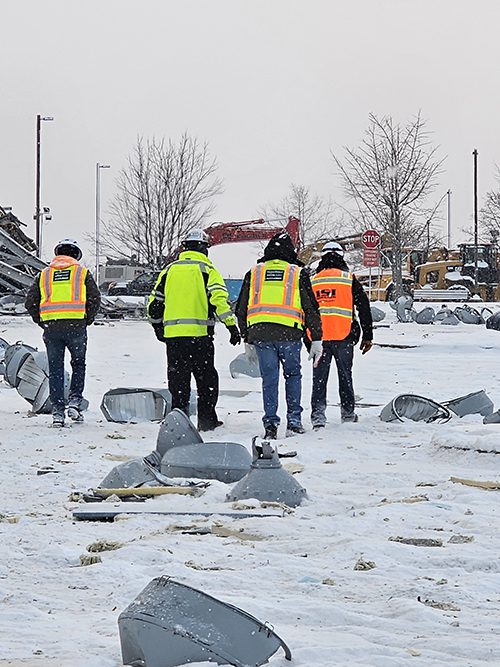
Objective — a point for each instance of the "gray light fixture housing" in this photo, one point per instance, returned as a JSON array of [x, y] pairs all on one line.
[[416, 408], [137, 404], [171, 624], [267, 480]]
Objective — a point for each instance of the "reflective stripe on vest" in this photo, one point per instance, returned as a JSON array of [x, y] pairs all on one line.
[[189, 320], [275, 300], [65, 299], [333, 291]]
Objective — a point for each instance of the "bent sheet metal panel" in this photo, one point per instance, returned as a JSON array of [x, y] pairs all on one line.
[[170, 624]]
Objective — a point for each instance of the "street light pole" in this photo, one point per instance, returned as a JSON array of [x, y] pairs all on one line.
[[474, 153], [448, 219], [98, 168], [39, 119]]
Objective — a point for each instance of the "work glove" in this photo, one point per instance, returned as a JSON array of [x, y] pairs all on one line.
[[235, 337], [251, 354], [316, 351], [366, 346], [159, 333]]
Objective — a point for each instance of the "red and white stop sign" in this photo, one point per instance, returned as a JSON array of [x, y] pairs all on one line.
[[371, 238]]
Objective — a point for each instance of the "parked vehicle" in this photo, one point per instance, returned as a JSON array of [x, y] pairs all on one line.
[[139, 286]]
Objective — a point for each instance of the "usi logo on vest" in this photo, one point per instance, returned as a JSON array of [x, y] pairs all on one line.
[[325, 293]]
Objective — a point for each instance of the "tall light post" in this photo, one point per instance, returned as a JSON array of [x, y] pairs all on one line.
[[448, 219], [474, 155], [39, 120], [98, 168], [45, 216]]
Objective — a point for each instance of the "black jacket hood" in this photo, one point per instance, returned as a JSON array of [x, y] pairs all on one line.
[[281, 247], [332, 261]]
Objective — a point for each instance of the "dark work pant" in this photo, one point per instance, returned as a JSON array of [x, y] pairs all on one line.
[[56, 342], [343, 352], [193, 356]]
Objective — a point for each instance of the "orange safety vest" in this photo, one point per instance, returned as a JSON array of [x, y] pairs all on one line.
[[63, 295], [275, 294], [333, 291]]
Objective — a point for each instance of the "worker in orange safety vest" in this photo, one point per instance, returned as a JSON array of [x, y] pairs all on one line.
[[337, 291]]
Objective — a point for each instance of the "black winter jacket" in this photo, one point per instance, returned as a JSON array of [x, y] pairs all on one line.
[[270, 331], [360, 299], [32, 304]]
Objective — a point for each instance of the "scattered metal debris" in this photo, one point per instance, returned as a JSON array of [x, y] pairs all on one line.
[[134, 404], [267, 479], [169, 624], [416, 408], [224, 461], [243, 365], [477, 402]]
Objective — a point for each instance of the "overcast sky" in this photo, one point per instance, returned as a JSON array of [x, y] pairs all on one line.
[[272, 85]]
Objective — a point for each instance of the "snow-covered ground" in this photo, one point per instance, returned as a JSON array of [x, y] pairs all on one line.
[[419, 606]]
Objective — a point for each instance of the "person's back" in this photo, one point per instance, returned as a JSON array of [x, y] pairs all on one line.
[[188, 297], [338, 293], [276, 303], [64, 301]]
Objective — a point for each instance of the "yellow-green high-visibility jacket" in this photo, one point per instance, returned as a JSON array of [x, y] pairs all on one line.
[[63, 294], [275, 295], [188, 296]]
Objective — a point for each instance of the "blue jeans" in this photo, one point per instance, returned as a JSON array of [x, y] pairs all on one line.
[[342, 351], [56, 343], [271, 355]]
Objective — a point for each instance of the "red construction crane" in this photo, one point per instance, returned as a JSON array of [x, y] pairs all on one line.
[[251, 230]]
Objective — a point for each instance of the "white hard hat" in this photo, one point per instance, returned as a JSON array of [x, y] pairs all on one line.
[[332, 246], [71, 243], [197, 235]]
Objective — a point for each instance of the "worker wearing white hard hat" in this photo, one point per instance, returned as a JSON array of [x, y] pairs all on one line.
[[338, 293], [64, 300], [188, 298]]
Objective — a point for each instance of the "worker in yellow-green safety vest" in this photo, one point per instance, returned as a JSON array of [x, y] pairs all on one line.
[[275, 306], [188, 298], [64, 301]]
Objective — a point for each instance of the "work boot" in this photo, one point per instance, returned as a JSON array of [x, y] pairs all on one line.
[[58, 420], [349, 418], [75, 414], [318, 427], [271, 432], [209, 426], [298, 429]]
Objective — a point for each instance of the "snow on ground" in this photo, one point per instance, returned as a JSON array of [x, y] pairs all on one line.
[[297, 572]]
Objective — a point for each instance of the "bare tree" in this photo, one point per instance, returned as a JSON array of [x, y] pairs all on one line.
[[389, 178], [316, 215], [489, 215], [165, 190]]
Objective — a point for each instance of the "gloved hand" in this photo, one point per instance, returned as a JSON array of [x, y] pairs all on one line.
[[235, 337], [251, 354], [159, 333], [366, 346], [316, 351]]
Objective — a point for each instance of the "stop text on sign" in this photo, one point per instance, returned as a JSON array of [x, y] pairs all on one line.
[[371, 238]]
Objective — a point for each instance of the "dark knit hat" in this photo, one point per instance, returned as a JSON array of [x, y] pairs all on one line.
[[280, 247]]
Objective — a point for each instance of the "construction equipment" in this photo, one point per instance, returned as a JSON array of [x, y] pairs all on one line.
[[218, 234], [440, 274], [473, 267]]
